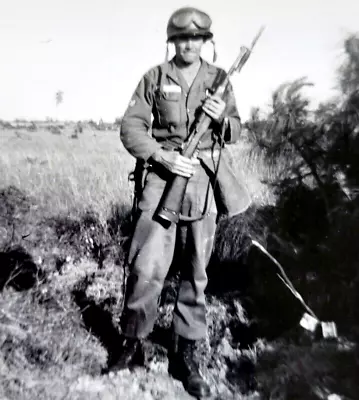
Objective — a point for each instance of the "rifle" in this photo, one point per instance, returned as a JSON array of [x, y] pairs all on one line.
[[170, 204]]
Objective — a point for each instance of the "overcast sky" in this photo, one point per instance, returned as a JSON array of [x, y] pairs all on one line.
[[96, 51]]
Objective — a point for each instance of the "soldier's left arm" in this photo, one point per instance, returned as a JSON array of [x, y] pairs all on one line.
[[231, 117]]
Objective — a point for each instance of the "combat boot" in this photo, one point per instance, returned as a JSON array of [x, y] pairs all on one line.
[[128, 355], [184, 366]]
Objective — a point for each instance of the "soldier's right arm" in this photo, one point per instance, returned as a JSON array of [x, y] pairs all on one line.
[[136, 121], [135, 125]]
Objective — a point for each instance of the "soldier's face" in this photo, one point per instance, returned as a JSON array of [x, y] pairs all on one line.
[[188, 49]]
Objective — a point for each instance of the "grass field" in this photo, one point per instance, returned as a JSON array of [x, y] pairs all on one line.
[[64, 213], [64, 174]]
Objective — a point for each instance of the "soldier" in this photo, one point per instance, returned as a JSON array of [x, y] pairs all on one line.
[[170, 95]]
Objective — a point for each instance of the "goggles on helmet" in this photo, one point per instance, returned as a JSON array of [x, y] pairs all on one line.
[[186, 18]]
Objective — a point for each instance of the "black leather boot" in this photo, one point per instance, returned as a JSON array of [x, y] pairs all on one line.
[[128, 355], [184, 366]]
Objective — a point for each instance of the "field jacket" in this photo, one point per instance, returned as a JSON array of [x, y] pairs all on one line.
[[161, 113]]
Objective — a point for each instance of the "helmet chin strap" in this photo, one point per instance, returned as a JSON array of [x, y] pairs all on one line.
[[167, 52], [166, 64], [214, 50]]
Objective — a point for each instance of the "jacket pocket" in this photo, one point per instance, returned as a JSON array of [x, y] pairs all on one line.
[[168, 106]]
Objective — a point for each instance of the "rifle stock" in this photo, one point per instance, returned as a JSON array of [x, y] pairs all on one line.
[[171, 201], [173, 195]]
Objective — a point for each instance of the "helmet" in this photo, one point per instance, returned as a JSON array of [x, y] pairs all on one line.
[[189, 21]]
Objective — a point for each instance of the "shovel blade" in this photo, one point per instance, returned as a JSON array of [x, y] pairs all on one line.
[[329, 330], [308, 322]]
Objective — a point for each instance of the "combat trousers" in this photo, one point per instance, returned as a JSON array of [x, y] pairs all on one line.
[[151, 254]]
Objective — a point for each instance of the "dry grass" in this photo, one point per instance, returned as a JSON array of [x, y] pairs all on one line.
[[250, 166], [65, 175]]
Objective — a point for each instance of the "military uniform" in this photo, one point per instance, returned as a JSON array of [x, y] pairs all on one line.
[[164, 95], [159, 118]]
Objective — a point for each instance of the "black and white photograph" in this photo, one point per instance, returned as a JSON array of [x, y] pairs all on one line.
[[179, 200]]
